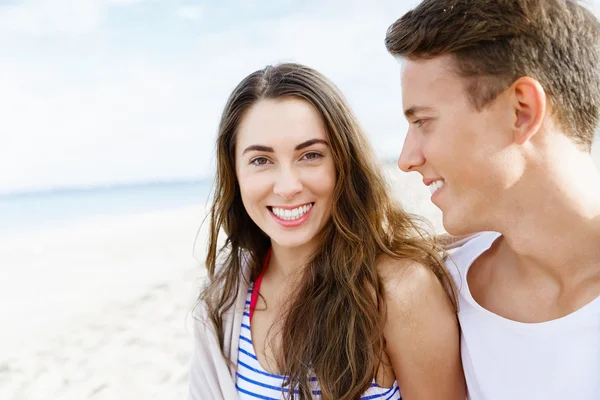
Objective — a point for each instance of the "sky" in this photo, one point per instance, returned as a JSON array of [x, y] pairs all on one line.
[[100, 92]]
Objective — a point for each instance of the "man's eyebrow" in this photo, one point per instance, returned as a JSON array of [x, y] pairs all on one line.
[[309, 143], [258, 147], [410, 112]]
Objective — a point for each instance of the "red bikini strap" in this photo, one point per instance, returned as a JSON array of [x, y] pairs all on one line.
[[256, 288]]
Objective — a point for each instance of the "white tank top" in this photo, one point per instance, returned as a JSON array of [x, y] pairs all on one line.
[[505, 359]]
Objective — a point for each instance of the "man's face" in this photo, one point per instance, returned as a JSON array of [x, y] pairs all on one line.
[[463, 154]]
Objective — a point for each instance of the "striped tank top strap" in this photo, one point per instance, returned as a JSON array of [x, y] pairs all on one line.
[[256, 288]]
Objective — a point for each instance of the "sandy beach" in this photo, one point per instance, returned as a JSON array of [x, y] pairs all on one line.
[[101, 310]]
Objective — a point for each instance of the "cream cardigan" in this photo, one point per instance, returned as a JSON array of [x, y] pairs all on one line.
[[211, 377]]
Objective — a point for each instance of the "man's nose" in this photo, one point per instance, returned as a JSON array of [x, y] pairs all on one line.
[[411, 155]]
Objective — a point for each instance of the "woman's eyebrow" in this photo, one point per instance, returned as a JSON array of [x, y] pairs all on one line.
[[258, 147], [267, 149], [309, 143]]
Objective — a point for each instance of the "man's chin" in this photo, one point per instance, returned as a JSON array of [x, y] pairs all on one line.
[[457, 226]]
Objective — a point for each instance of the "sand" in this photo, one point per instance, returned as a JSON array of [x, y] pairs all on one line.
[[101, 310]]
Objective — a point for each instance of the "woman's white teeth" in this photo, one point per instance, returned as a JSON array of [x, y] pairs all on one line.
[[290, 215], [435, 186]]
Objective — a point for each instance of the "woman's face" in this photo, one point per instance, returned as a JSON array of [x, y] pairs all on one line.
[[285, 170]]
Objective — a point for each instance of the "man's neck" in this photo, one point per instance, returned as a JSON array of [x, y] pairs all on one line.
[[552, 223]]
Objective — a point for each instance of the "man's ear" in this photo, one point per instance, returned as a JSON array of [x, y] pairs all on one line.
[[528, 100]]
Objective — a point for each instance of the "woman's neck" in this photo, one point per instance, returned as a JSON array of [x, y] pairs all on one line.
[[289, 262]]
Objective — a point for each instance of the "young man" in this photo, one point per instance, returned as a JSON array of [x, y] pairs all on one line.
[[502, 99]]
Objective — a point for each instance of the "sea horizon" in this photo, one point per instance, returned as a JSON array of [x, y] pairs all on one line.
[[31, 210]]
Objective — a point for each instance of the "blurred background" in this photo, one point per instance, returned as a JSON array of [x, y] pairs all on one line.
[[108, 116]]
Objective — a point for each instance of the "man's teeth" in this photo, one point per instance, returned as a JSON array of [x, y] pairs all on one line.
[[290, 215], [435, 186]]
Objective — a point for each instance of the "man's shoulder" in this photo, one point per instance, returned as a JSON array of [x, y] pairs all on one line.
[[470, 249], [460, 258]]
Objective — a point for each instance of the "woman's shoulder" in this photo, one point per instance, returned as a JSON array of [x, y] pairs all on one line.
[[406, 275], [421, 330], [409, 286]]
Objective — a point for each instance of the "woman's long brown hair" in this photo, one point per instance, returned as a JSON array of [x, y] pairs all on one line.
[[334, 322]]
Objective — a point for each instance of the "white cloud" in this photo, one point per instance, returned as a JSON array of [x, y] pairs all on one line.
[[123, 2], [190, 12], [138, 122], [42, 17], [38, 17]]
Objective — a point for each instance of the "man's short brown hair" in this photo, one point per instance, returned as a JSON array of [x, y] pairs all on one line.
[[494, 42]]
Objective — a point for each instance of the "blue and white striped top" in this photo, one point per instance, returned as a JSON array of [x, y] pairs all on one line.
[[253, 382]]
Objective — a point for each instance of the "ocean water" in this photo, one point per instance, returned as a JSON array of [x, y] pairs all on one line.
[[23, 212]]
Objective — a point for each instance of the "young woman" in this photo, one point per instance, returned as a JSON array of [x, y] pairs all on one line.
[[324, 288]]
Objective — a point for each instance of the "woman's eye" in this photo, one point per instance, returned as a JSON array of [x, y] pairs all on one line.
[[259, 161], [312, 156]]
